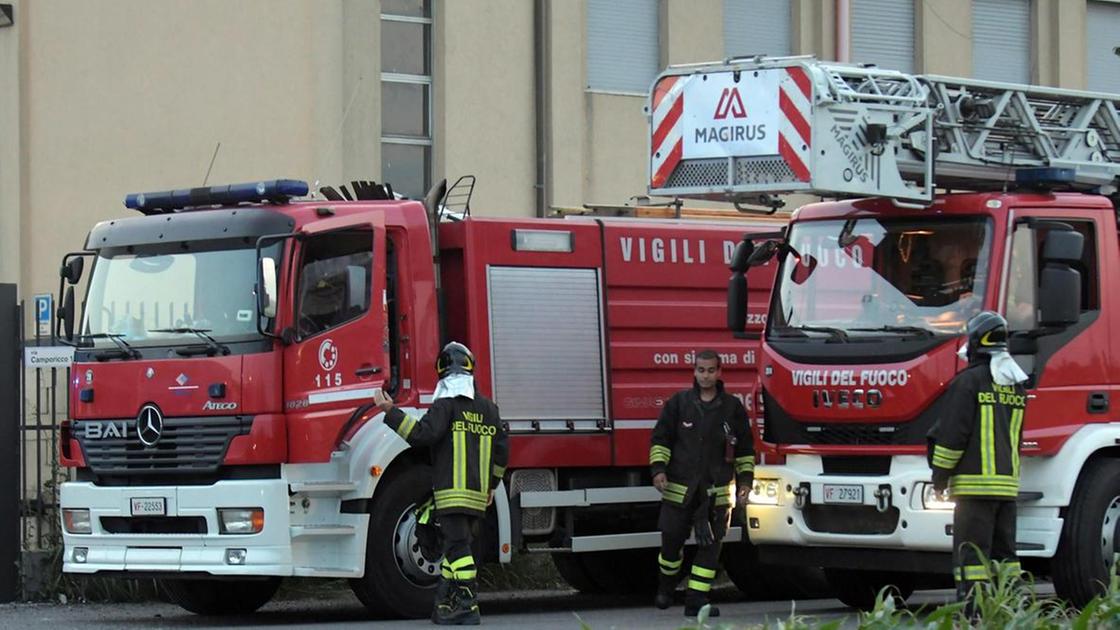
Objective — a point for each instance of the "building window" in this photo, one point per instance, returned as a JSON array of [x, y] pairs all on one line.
[[623, 53], [1102, 40], [1001, 40], [406, 95], [883, 33], [752, 27]]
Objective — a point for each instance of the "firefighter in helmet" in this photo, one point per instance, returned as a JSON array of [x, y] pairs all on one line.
[[469, 453], [700, 450], [974, 452]]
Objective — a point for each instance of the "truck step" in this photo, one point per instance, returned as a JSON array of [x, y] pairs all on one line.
[[324, 572], [323, 487], [326, 529]]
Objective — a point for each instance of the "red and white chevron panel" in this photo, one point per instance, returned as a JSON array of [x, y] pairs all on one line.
[[667, 143], [795, 134]]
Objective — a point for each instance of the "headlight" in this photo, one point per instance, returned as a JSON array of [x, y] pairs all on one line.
[[934, 500], [76, 521], [765, 492], [240, 520]]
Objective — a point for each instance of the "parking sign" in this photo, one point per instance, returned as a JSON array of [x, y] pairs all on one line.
[[44, 313]]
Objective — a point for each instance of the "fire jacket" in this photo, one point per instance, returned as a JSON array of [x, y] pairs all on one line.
[[976, 442], [469, 449], [702, 446]]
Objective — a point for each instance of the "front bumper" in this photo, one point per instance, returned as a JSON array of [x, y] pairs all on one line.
[[266, 553], [905, 525]]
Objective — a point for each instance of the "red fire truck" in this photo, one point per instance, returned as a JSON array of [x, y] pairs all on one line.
[[232, 336], [952, 196]]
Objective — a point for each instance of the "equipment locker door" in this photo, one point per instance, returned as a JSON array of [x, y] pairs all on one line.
[[339, 356]]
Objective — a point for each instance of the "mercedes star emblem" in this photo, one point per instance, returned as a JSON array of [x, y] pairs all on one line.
[[149, 425]]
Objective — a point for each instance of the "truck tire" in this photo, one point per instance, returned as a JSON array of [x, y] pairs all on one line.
[[398, 580], [220, 597], [859, 589], [1084, 560], [760, 581], [570, 567]]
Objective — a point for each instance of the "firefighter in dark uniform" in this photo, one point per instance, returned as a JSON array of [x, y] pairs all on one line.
[[700, 446], [974, 452], [469, 450]]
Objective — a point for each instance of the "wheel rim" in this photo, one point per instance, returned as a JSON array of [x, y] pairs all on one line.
[[1109, 528], [406, 550]]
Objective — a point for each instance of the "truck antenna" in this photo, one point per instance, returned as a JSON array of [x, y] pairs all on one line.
[[212, 158]]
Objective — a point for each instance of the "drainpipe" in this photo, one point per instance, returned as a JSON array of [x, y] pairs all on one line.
[[843, 31], [540, 102]]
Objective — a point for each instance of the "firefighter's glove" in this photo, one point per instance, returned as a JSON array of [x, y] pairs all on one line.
[[940, 479], [702, 529]]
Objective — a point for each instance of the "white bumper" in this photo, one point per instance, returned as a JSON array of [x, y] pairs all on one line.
[[266, 553], [915, 529]]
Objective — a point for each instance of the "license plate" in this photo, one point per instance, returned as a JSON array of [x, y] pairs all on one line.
[[834, 493], [149, 506]]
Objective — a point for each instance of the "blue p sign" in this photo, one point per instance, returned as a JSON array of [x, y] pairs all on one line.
[[44, 311]]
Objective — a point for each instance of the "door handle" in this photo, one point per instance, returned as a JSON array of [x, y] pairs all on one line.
[[1098, 402], [367, 371]]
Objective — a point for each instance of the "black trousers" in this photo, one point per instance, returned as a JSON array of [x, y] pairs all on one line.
[[458, 533], [982, 529], [675, 523]]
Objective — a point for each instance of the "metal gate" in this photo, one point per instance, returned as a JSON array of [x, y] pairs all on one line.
[[43, 404]]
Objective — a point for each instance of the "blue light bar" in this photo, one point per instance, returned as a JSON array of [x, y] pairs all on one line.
[[1045, 175], [274, 191]]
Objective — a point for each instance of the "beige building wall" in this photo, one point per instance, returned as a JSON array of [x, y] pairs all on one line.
[[100, 99]]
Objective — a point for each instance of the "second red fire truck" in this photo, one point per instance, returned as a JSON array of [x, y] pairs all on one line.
[[873, 291]]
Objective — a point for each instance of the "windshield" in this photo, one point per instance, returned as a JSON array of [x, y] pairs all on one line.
[[872, 277], [136, 294]]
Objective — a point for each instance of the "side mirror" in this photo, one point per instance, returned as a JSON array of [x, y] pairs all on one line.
[[66, 313], [267, 297], [72, 270], [803, 268], [1059, 287], [737, 287], [760, 255]]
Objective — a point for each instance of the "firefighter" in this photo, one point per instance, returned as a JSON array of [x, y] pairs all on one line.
[[469, 453], [700, 447], [974, 452]]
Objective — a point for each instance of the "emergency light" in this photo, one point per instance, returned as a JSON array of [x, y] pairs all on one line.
[[274, 191]]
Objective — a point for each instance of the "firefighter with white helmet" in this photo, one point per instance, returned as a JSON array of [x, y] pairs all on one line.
[[469, 450], [974, 452]]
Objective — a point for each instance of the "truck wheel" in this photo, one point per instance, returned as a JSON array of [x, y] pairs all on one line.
[[570, 567], [399, 580], [859, 589], [767, 581], [1086, 550], [220, 597]]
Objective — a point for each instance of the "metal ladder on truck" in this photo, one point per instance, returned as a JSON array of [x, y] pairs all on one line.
[[749, 128]]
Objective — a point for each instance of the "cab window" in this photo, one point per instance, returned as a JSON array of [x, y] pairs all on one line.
[[334, 280]]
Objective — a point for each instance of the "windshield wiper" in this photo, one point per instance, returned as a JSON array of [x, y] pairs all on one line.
[[212, 345], [836, 333], [123, 351], [916, 330]]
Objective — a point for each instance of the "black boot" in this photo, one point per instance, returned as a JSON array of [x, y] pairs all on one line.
[[694, 601], [666, 586], [461, 609], [442, 600]]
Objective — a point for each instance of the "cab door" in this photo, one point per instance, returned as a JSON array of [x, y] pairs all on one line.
[[338, 356], [1070, 380]]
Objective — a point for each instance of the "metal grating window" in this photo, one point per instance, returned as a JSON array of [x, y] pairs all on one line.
[[623, 53], [1001, 40], [1102, 41], [883, 33], [546, 343], [752, 27]]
